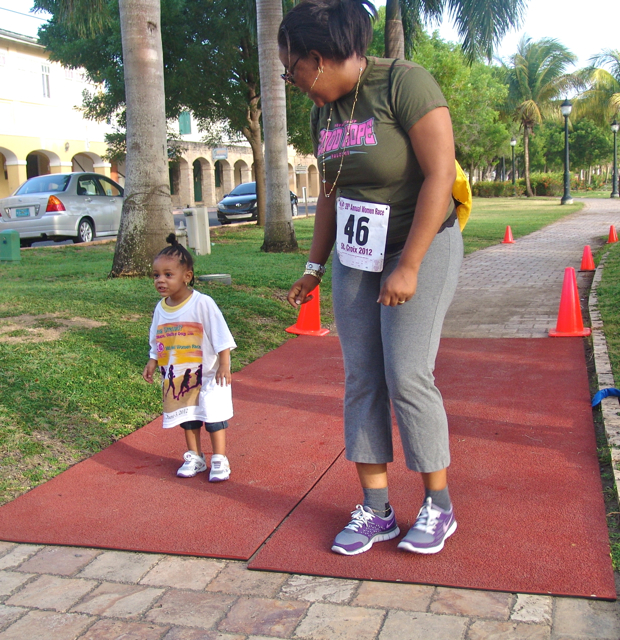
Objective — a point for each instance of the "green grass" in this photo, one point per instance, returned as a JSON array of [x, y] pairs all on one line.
[[64, 398], [609, 304], [608, 293], [490, 216], [602, 193]]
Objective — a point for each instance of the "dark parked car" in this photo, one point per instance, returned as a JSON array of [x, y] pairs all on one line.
[[63, 205], [240, 204]]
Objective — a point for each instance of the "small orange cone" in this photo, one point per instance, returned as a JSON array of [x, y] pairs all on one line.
[[309, 318], [587, 261], [613, 236], [570, 322], [508, 239]]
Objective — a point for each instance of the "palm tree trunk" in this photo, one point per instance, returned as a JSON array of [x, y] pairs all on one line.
[[279, 230], [254, 136], [526, 157], [394, 34], [147, 210]]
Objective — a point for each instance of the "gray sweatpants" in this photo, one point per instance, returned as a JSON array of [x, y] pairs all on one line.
[[389, 355]]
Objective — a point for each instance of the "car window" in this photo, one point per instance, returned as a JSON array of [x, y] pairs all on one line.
[[110, 188], [245, 189], [44, 184], [88, 186]]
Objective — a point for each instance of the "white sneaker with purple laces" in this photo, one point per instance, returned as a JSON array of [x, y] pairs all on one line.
[[193, 464], [432, 526], [365, 528]]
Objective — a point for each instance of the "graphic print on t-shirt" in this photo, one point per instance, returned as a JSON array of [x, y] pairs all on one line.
[[179, 357], [338, 141]]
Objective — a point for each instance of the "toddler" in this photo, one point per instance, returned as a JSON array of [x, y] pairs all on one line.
[[190, 345]]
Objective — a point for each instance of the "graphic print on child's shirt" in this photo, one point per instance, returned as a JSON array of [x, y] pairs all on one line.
[[179, 357]]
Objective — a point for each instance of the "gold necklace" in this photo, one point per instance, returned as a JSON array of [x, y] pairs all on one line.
[[348, 131]]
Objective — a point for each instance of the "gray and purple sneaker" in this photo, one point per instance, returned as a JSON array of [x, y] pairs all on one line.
[[364, 530], [432, 527]]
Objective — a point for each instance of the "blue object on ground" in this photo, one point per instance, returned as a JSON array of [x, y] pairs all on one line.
[[604, 393]]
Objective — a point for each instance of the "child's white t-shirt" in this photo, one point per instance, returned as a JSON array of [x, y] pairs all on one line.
[[185, 341]]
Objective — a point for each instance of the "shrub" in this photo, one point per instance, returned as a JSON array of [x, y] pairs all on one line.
[[497, 189], [547, 184]]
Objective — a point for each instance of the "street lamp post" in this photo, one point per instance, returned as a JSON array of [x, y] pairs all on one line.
[[566, 107], [614, 181], [513, 143]]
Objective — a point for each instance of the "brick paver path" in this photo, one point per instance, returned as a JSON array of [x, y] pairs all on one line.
[[62, 593], [513, 290]]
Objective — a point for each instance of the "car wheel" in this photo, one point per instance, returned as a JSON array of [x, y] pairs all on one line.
[[295, 209], [25, 243], [86, 231]]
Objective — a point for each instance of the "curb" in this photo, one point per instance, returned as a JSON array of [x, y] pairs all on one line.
[[609, 406]]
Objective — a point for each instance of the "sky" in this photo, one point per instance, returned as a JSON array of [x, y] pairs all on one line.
[[585, 33]]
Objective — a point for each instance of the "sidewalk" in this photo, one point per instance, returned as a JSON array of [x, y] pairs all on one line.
[[62, 593]]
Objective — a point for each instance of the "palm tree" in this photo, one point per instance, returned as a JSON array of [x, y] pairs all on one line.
[[481, 24], [536, 78], [279, 230], [146, 219], [600, 101]]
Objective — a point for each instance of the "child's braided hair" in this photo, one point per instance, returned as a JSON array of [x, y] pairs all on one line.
[[180, 252]]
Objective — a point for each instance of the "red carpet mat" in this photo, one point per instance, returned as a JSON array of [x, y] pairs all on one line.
[[286, 432], [524, 480]]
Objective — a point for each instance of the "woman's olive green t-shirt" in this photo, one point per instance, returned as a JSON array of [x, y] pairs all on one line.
[[379, 164]]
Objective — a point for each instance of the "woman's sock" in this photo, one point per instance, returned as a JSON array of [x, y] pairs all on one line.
[[439, 498], [377, 500]]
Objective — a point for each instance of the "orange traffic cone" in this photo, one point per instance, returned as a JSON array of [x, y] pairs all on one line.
[[613, 236], [309, 318], [587, 261], [508, 239], [570, 322]]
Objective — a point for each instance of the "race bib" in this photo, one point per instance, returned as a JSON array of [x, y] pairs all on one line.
[[361, 233]]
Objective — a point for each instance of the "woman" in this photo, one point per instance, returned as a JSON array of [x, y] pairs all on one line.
[[384, 144]]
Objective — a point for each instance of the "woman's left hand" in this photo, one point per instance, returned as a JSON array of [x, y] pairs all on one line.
[[398, 287]]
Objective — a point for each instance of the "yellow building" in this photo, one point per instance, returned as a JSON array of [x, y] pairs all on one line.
[[41, 130]]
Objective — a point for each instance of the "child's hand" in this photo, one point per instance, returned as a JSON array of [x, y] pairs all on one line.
[[149, 370], [223, 376]]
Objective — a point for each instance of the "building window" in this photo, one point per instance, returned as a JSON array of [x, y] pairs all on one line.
[[45, 76], [185, 123]]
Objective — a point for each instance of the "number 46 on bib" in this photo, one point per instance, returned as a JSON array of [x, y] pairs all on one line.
[[361, 233]]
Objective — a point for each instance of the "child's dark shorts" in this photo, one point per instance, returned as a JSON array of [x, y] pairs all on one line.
[[211, 427]]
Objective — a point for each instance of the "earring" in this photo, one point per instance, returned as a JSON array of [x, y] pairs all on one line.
[[320, 71]]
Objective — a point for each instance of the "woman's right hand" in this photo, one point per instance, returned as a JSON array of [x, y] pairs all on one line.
[[299, 292]]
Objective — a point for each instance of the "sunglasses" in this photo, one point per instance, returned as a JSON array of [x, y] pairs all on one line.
[[288, 75]]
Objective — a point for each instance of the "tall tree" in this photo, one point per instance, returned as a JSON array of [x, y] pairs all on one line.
[[537, 78], [590, 144], [394, 33], [217, 73], [481, 24], [475, 92], [146, 218], [279, 230], [600, 100]]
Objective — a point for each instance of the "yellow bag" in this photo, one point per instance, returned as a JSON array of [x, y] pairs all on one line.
[[461, 193]]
